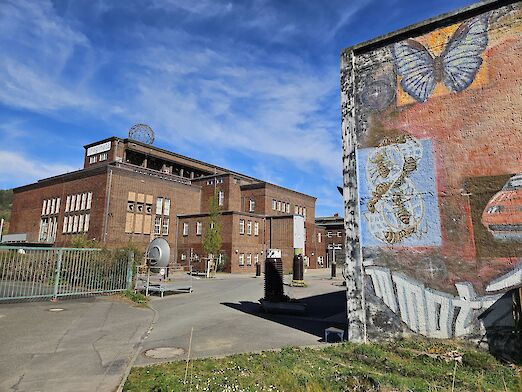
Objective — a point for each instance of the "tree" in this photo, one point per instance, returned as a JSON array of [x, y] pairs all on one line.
[[212, 240]]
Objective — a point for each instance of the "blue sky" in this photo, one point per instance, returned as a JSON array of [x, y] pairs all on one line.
[[249, 85]]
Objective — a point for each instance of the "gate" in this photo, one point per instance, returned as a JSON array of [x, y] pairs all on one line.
[[32, 273]]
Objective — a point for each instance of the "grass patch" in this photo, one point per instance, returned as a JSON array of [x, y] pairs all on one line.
[[135, 297], [404, 365]]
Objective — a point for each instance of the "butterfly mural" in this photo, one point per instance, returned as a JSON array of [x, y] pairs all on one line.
[[455, 67]]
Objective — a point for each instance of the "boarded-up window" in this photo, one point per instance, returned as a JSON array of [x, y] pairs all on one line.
[[138, 224], [147, 222], [129, 223]]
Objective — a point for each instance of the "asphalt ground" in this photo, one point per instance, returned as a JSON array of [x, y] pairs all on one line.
[[91, 343]]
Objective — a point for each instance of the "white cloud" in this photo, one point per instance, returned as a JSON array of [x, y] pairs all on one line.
[[24, 170], [37, 47]]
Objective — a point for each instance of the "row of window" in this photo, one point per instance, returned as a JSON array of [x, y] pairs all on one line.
[[248, 227], [199, 228], [161, 225], [248, 258], [282, 206], [47, 231], [78, 202], [98, 158], [329, 234], [51, 206], [217, 181], [76, 223]]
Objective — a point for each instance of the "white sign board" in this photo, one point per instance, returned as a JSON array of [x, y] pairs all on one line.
[[99, 148], [299, 232]]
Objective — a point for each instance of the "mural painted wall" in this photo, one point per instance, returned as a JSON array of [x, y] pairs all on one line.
[[438, 129]]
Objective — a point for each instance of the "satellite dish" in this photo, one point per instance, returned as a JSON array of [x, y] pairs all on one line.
[[158, 253], [142, 133]]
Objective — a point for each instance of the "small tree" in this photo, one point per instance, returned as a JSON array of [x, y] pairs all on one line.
[[212, 240]]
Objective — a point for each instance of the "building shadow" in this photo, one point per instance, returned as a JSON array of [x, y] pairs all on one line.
[[322, 311], [503, 324]]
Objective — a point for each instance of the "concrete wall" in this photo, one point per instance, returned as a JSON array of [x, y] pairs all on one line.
[[432, 124]]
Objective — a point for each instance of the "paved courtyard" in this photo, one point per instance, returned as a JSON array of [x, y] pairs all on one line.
[[91, 343]]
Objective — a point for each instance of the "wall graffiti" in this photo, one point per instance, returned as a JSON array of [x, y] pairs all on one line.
[[438, 124]]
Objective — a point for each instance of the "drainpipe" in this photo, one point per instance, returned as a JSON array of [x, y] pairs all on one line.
[[107, 204]]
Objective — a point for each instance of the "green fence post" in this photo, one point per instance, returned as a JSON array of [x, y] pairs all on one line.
[[130, 264], [57, 275]]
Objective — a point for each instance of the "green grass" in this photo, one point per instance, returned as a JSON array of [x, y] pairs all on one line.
[[138, 298], [404, 365]]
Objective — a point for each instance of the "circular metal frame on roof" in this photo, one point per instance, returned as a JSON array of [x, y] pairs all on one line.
[[142, 133]]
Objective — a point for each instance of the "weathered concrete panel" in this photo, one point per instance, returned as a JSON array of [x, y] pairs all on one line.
[[432, 126]]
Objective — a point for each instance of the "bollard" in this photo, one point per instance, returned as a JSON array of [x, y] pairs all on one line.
[[258, 269], [334, 269]]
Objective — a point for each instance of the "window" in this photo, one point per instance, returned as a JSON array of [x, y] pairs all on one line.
[[256, 228], [320, 260], [80, 223], [53, 204], [57, 209], [183, 256], [67, 203], [165, 226], [241, 226], [185, 229], [48, 207], [148, 209], [287, 208], [241, 259], [249, 228], [274, 204], [78, 202], [64, 228], [157, 225], [256, 258], [75, 224], [249, 259], [252, 205], [92, 159], [103, 156], [86, 224], [198, 228], [159, 205], [139, 208], [210, 182], [84, 201], [73, 202], [44, 229], [339, 234], [166, 207], [221, 198], [304, 212], [89, 200], [70, 225], [296, 210], [318, 237], [329, 234]]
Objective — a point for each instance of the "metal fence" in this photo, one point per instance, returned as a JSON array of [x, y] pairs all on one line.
[[32, 273]]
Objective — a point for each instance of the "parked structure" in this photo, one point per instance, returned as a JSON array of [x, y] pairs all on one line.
[[133, 191], [431, 128]]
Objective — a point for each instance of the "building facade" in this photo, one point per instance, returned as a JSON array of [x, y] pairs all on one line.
[[331, 237], [131, 192]]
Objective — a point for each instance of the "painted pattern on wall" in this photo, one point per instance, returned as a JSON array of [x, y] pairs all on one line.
[[438, 122]]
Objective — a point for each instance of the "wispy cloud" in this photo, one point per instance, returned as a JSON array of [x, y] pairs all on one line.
[[27, 170]]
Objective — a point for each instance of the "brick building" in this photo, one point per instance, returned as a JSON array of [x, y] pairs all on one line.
[[330, 237], [129, 191]]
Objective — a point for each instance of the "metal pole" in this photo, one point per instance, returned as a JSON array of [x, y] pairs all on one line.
[[57, 274], [130, 265], [1, 228]]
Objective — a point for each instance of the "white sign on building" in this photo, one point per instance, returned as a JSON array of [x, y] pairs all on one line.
[[99, 148]]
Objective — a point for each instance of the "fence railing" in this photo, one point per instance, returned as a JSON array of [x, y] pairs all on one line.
[[31, 273]]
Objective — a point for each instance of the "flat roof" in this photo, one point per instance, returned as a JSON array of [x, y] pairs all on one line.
[[428, 25]]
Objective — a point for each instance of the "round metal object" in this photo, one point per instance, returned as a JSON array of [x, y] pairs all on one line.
[[142, 133], [56, 310]]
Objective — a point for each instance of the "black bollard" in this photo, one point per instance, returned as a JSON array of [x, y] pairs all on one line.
[[334, 269], [258, 269]]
